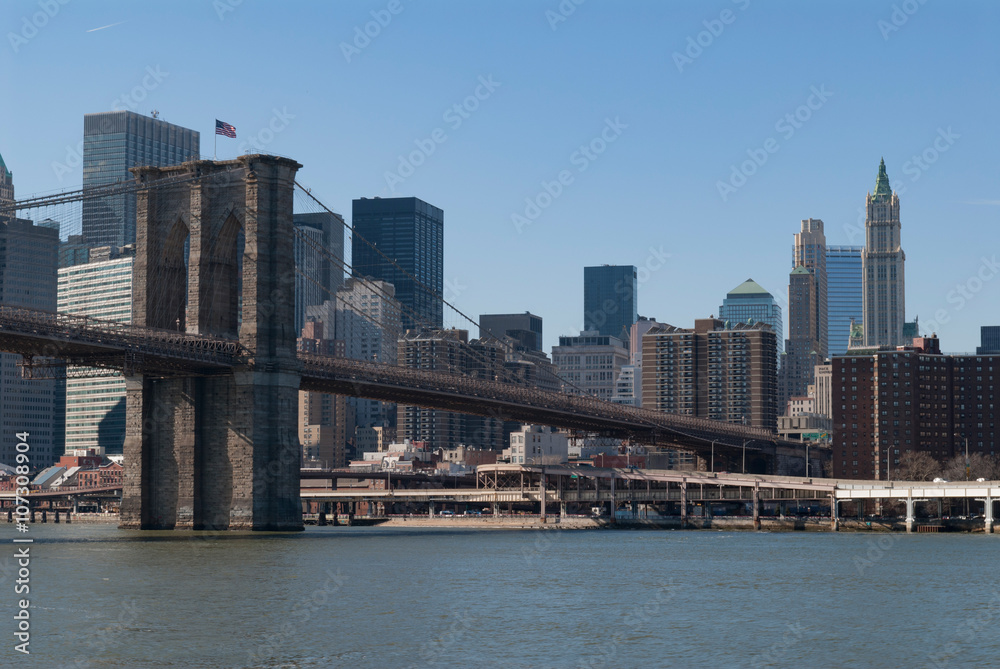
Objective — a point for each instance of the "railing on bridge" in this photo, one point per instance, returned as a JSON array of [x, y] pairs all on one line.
[[113, 336], [363, 372], [37, 333]]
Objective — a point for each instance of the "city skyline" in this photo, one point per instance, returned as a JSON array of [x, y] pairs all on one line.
[[493, 157]]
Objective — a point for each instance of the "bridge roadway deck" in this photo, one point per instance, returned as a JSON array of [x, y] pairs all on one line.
[[85, 341]]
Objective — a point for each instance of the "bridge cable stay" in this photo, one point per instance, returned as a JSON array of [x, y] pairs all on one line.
[[500, 339], [63, 199], [398, 332], [349, 270], [434, 293]]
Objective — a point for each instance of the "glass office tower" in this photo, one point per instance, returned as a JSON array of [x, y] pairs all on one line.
[[845, 295], [112, 143], [610, 297], [410, 232]]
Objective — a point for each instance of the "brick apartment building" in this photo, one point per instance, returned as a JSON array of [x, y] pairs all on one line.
[[888, 402], [717, 370]]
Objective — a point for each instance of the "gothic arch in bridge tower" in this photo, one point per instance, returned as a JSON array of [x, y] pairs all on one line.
[[210, 451]]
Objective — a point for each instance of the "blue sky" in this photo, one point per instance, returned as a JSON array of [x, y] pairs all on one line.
[[895, 79]]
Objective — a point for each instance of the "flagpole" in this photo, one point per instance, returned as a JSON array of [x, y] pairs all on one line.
[[215, 148]]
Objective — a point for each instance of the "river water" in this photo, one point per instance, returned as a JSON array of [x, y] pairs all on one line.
[[378, 597]]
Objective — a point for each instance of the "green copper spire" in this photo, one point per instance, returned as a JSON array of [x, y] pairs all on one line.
[[3, 166], [882, 182]]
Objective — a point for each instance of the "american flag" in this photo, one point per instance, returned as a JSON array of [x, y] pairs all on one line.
[[222, 128]]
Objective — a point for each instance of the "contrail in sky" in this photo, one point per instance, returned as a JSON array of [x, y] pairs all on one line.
[[111, 25]]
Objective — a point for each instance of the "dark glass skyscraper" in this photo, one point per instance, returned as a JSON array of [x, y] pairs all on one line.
[[989, 340], [525, 329], [410, 232], [112, 143], [845, 295], [610, 296]]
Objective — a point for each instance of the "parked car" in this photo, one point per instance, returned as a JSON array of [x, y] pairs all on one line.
[[447, 512], [473, 512]]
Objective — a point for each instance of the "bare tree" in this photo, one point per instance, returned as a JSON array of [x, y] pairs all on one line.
[[918, 466], [980, 466]]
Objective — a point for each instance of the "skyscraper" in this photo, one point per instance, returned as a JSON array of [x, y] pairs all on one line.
[[29, 256], [6, 184], [807, 312], [112, 143], [449, 351], [95, 405], [610, 299], [365, 317], [882, 261], [409, 232], [845, 295], [810, 252], [525, 329], [719, 371], [989, 340], [318, 278], [749, 303]]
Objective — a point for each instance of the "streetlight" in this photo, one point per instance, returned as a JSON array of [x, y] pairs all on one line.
[[888, 471], [744, 456], [713, 456]]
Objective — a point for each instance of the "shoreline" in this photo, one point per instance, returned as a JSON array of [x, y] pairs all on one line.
[[731, 524]]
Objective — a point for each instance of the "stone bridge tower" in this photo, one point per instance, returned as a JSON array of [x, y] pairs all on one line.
[[214, 257]]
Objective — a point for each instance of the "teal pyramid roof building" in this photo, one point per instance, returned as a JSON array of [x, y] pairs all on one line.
[[750, 303]]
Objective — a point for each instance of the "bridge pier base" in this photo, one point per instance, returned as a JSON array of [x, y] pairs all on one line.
[[910, 516], [988, 515], [562, 511], [216, 452], [834, 513]]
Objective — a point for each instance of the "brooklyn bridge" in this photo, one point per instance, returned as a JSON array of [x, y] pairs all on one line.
[[212, 368]]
